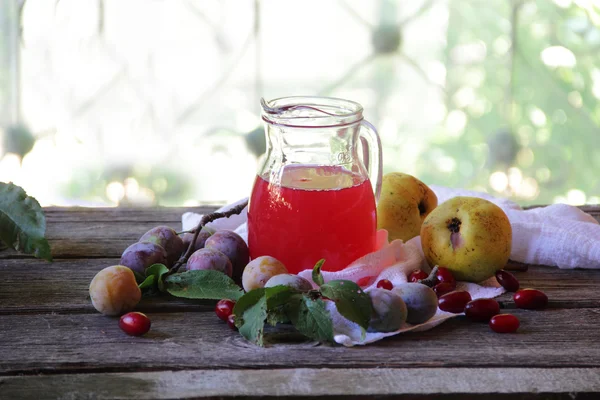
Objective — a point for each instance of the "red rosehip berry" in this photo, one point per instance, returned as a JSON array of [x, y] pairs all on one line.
[[442, 288], [134, 323], [224, 309], [507, 280], [385, 284], [531, 299], [417, 275], [444, 275], [231, 322], [482, 310], [454, 302], [504, 323]]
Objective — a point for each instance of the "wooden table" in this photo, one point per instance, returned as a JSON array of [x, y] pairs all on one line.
[[53, 344]]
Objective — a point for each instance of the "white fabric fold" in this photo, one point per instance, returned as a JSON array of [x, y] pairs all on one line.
[[557, 235]]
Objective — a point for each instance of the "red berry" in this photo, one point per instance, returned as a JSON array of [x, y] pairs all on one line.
[[231, 322], [385, 284], [531, 299], [504, 323], [442, 288], [482, 309], [444, 275], [134, 323], [224, 309], [417, 275], [454, 302], [507, 280]]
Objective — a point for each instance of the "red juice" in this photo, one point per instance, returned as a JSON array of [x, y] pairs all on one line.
[[315, 212]]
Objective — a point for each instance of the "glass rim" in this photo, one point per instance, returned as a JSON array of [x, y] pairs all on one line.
[[311, 111]]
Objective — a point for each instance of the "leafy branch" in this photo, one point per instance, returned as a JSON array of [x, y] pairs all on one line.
[[203, 221], [306, 310]]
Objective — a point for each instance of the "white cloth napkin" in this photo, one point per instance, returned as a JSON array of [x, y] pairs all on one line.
[[557, 235]]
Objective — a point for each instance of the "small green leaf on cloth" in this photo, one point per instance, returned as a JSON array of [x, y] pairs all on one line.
[[22, 222], [351, 301], [317, 277], [310, 317], [202, 284]]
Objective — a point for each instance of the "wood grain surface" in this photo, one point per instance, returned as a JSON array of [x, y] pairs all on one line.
[[54, 345], [406, 383]]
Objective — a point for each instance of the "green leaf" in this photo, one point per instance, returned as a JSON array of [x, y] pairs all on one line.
[[148, 282], [139, 277], [22, 222], [310, 317], [317, 277], [277, 298], [158, 270], [247, 300], [202, 284], [277, 316], [351, 301], [253, 321], [251, 312], [278, 295]]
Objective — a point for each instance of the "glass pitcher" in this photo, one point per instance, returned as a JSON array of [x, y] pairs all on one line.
[[313, 196]]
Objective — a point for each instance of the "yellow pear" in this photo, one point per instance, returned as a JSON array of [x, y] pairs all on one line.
[[403, 204], [472, 237]]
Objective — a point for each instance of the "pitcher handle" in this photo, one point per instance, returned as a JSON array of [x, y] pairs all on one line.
[[372, 158]]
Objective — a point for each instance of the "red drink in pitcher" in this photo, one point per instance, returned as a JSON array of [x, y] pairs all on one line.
[[313, 212]]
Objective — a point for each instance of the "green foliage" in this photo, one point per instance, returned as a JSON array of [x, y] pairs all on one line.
[[306, 311], [310, 317], [350, 300], [527, 119], [254, 308], [22, 222], [170, 187], [153, 281], [202, 284], [253, 319], [317, 277]]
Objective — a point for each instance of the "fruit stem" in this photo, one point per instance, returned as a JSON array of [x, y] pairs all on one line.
[[431, 280], [203, 221]]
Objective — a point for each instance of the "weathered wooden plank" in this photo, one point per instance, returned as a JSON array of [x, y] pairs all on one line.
[[88, 238], [124, 214], [30, 285], [459, 382], [158, 214], [92, 342], [106, 232], [564, 288]]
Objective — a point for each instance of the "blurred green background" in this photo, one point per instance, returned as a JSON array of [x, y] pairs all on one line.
[[106, 102]]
